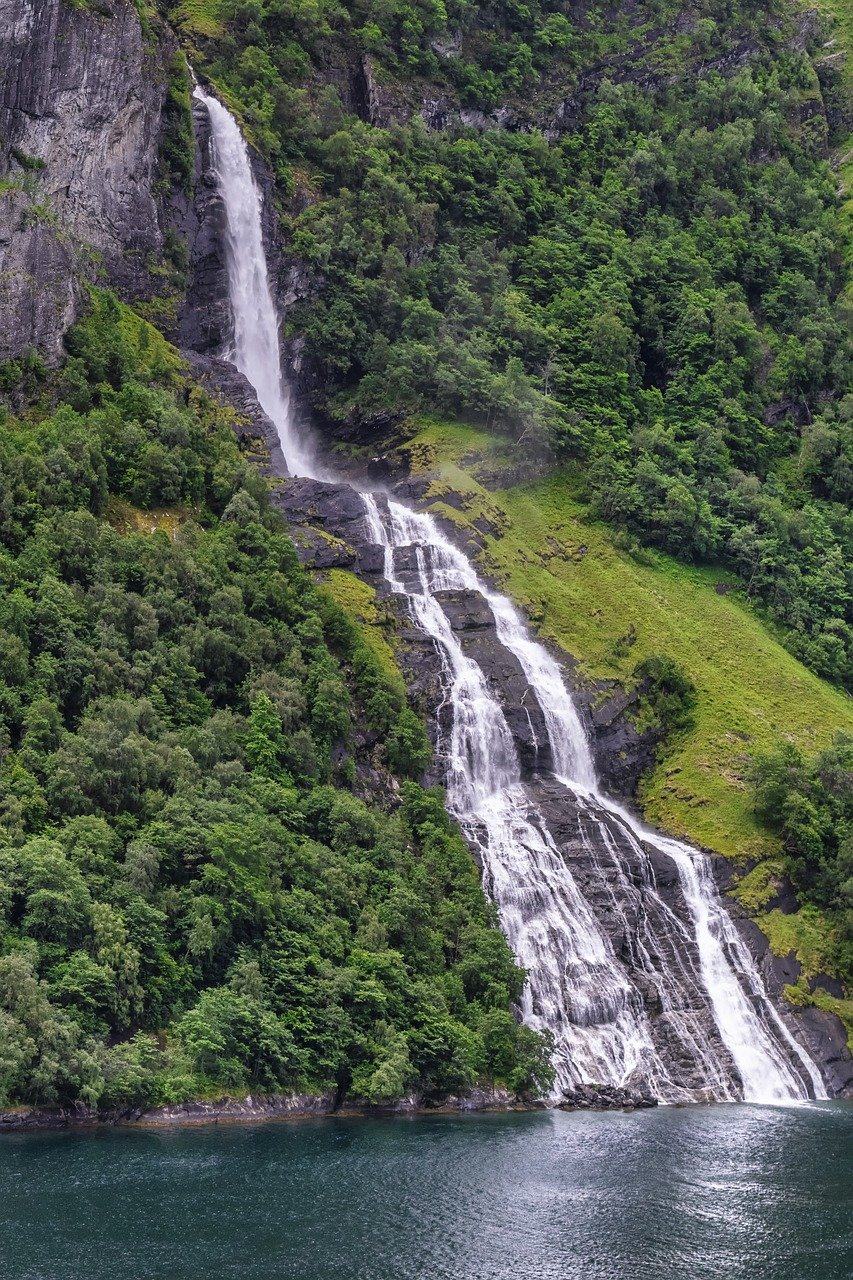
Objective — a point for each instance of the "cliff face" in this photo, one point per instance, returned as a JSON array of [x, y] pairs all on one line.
[[81, 114], [203, 318]]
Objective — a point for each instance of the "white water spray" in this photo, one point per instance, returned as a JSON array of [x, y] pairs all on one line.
[[693, 967]]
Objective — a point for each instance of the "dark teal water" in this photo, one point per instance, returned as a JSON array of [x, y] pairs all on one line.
[[717, 1192]]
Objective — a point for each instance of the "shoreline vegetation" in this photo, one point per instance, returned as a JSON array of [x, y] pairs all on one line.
[[257, 1108]]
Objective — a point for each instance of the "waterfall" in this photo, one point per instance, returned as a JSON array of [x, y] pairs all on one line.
[[253, 347], [714, 1033], [577, 987]]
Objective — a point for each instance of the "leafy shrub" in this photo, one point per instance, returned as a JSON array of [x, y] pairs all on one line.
[[668, 694], [809, 803]]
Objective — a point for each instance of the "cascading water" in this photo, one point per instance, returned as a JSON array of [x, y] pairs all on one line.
[[678, 1007], [577, 987]]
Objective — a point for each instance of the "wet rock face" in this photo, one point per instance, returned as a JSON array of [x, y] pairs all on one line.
[[81, 97], [335, 508], [204, 321], [472, 620], [622, 754], [325, 523], [637, 899], [823, 1034]]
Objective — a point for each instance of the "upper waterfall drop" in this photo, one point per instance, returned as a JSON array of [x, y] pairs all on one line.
[[254, 346], [715, 1033]]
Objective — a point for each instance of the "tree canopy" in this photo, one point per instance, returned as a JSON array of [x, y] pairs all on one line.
[[194, 893]]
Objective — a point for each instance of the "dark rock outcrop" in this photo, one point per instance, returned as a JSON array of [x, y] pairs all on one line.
[[204, 318], [622, 752], [824, 1036], [335, 508], [81, 103], [326, 524], [601, 1097], [253, 428]]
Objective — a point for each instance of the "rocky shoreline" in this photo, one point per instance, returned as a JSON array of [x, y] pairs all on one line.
[[256, 1107]]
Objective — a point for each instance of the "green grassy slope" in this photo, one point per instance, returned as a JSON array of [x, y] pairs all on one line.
[[358, 600], [609, 609]]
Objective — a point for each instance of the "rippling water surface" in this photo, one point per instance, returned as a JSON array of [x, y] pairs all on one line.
[[717, 1192]]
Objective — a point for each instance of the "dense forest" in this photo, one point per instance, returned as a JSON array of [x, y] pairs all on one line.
[[623, 248], [192, 894]]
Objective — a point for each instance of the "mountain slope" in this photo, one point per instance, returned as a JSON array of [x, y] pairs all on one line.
[[613, 235], [553, 231]]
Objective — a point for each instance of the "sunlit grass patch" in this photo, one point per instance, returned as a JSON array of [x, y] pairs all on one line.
[[609, 608]]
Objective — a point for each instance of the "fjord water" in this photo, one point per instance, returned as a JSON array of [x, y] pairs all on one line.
[[695, 1193], [722, 1038]]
